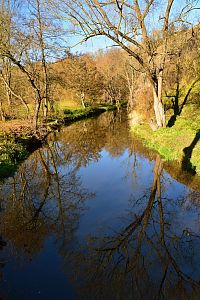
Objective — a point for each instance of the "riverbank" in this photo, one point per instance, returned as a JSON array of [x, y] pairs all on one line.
[[177, 143], [73, 115], [18, 138]]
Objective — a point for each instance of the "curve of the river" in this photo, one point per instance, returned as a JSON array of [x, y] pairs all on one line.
[[95, 215]]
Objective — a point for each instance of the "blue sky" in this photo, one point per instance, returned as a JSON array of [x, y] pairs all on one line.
[[103, 43], [92, 45]]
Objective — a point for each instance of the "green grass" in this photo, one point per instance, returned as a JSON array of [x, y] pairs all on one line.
[[72, 115], [191, 89], [170, 142], [60, 106], [11, 153]]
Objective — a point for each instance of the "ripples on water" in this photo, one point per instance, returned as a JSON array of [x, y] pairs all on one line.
[[95, 215]]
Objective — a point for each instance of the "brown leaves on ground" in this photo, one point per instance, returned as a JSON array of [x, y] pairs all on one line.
[[17, 127]]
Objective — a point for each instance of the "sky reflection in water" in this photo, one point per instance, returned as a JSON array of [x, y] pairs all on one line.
[[95, 215]]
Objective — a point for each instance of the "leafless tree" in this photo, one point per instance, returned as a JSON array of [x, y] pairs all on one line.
[[129, 25], [26, 41]]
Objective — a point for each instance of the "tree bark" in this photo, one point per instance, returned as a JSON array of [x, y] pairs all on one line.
[[159, 111], [7, 68], [83, 99], [158, 104], [44, 64], [2, 112], [36, 114]]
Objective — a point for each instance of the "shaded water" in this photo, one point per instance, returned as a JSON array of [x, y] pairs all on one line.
[[94, 215]]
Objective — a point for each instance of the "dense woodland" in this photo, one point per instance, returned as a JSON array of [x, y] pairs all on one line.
[[41, 75]]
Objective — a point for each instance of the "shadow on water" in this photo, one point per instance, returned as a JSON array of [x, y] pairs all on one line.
[[186, 163], [2, 245]]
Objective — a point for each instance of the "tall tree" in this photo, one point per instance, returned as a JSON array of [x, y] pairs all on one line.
[[128, 24], [17, 49], [25, 48], [40, 28], [6, 19], [6, 64]]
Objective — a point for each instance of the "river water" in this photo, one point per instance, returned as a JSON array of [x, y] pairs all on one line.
[[95, 215]]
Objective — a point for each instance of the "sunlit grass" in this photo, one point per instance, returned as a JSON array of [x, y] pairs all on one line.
[[170, 142]]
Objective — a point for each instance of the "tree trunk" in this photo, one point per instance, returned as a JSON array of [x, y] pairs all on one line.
[[131, 101], [131, 86], [45, 109], [2, 113], [158, 104], [36, 114], [83, 99], [9, 96], [159, 111], [44, 64], [8, 77]]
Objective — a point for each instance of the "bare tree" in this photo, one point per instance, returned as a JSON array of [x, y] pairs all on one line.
[[128, 24], [40, 26], [6, 64], [25, 41], [17, 54]]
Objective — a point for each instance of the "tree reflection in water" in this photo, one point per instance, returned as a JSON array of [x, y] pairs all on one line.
[[46, 195], [41, 200], [146, 260], [153, 257]]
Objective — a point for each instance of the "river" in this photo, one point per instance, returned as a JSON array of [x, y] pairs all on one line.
[[93, 214]]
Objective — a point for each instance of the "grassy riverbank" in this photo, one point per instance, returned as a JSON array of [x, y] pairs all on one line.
[[13, 150], [18, 138], [180, 142], [73, 115]]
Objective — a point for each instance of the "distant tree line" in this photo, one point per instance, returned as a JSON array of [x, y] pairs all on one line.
[[38, 73]]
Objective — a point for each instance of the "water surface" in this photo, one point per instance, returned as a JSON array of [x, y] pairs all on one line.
[[95, 215]]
